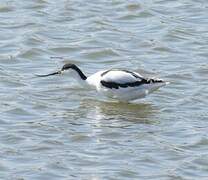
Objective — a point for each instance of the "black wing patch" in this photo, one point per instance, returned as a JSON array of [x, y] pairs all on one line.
[[141, 81], [114, 85]]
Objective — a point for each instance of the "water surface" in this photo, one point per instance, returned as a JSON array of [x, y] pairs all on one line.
[[50, 128]]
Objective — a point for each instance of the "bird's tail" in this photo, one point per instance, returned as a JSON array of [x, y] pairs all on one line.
[[155, 84]]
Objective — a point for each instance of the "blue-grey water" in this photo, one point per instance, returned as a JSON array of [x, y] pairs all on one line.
[[50, 128]]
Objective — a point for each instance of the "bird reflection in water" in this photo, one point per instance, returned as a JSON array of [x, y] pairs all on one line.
[[118, 111]]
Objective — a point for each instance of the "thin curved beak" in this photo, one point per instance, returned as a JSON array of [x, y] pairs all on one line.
[[51, 74]]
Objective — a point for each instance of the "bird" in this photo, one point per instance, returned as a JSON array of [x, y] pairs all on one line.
[[120, 84]]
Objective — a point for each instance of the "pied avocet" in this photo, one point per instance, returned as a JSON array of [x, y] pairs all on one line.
[[122, 85]]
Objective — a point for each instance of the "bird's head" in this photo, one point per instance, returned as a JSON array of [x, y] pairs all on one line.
[[69, 66], [68, 69]]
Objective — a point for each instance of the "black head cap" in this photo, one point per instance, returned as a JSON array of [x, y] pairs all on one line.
[[68, 66], [74, 67]]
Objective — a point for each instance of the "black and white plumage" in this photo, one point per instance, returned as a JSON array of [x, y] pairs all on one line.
[[118, 84]]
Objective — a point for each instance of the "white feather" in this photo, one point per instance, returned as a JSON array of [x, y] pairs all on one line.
[[119, 76]]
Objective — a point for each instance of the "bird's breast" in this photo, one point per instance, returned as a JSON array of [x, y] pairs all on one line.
[[94, 80]]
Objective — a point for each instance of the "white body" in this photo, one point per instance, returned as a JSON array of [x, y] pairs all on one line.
[[122, 94]]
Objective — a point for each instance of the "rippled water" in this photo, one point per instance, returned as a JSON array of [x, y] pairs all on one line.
[[50, 128]]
